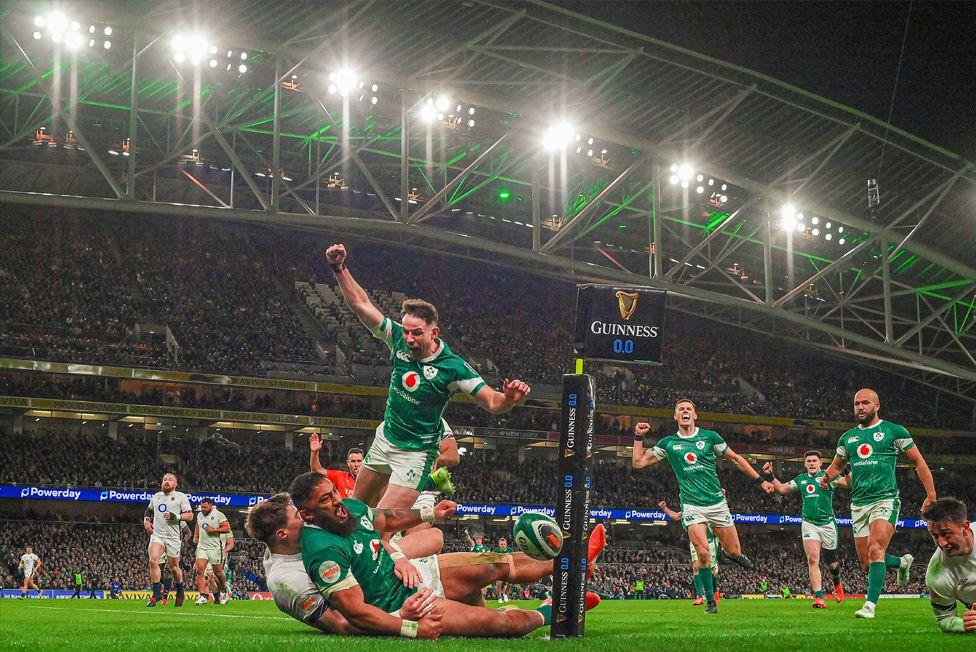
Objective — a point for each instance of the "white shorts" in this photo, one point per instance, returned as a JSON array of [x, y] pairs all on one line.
[[28, 574], [405, 468], [715, 516], [170, 546], [825, 534], [212, 555], [862, 516], [430, 575], [712, 554]]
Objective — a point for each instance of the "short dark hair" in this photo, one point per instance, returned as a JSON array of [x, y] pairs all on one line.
[[684, 400], [206, 500], [946, 509], [268, 517], [809, 453], [301, 488], [421, 309], [354, 451]]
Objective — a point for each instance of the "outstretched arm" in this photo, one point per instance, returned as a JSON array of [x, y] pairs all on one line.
[[778, 487], [512, 392], [673, 515], [394, 520], [353, 294], [314, 446], [746, 468]]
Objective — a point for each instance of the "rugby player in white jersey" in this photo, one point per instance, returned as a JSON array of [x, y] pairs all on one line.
[[211, 525], [951, 575], [30, 564], [167, 511]]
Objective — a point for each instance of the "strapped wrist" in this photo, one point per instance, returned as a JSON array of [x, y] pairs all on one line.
[[337, 267], [408, 628], [426, 513]]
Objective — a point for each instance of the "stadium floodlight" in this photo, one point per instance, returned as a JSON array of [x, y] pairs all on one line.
[[108, 30], [788, 216], [37, 36], [192, 47], [828, 237], [840, 229], [827, 225], [711, 182], [673, 179], [800, 227], [39, 21], [815, 232], [242, 69], [442, 103], [558, 135], [344, 80], [57, 23], [841, 241], [725, 186], [724, 199], [428, 112], [107, 45], [700, 189], [814, 220], [684, 173], [674, 167]]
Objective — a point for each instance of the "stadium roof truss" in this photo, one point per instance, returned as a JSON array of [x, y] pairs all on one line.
[[893, 283]]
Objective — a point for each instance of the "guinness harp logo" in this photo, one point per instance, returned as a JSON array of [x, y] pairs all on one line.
[[627, 302]]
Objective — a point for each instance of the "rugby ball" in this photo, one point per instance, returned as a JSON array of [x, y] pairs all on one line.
[[538, 536]]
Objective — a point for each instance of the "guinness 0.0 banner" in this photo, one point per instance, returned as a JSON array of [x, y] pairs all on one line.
[[623, 324]]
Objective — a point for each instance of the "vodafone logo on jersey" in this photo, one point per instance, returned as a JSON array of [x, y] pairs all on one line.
[[864, 451], [691, 458], [811, 489], [410, 381]]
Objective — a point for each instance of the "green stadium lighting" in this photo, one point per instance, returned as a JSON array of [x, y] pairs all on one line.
[[504, 195]]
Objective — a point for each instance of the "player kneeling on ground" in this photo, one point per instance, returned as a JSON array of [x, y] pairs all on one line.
[[342, 554], [951, 574]]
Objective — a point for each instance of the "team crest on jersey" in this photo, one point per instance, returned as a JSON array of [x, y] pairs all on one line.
[[878, 436], [329, 571], [811, 489], [691, 458], [403, 356], [864, 451], [700, 445], [410, 381], [430, 372], [365, 522], [358, 547]]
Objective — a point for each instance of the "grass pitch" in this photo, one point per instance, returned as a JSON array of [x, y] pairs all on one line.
[[615, 625]]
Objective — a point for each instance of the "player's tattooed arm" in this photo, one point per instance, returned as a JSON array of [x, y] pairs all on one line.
[[394, 520]]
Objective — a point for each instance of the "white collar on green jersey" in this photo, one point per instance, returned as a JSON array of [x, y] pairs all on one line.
[[437, 351], [860, 427], [694, 434]]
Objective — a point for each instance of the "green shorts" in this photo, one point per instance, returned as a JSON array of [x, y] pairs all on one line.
[[405, 468], [862, 516]]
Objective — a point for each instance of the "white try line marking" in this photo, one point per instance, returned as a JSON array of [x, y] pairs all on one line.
[[182, 613]]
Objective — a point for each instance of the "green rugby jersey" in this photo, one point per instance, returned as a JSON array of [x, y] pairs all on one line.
[[420, 390], [693, 460], [479, 547], [337, 563], [872, 453], [818, 504]]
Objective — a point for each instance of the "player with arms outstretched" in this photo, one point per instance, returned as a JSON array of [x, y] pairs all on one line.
[[167, 511], [819, 527], [30, 565], [951, 575], [871, 448], [425, 375], [693, 453]]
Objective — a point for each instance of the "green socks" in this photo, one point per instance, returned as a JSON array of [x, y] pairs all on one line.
[[707, 586], [876, 578], [891, 561], [819, 594], [699, 589]]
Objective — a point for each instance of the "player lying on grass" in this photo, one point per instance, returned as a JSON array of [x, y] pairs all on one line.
[[343, 556], [951, 575], [277, 524]]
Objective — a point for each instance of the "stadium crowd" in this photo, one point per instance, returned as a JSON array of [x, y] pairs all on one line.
[[224, 294], [134, 461]]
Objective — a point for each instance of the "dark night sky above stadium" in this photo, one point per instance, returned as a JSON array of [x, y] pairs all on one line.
[[845, 51]]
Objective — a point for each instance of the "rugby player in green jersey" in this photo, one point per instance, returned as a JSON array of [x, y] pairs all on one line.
[[712, 552], [425, 375], [341, 550], [951, 575], [871, 448], [819, 527], [693, 453]]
